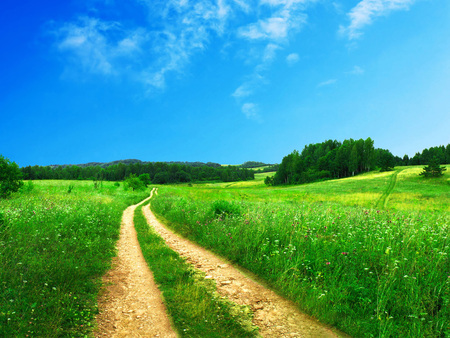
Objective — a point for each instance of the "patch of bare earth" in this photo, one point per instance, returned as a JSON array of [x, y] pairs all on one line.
[[274, 315], [131, 304]]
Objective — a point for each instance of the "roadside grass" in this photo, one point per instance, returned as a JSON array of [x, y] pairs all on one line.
[[369, 272], [54, 247], [196, 308]]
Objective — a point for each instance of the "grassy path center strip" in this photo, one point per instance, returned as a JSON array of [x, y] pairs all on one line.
[[132, 305], [196, 308], [274, 315]]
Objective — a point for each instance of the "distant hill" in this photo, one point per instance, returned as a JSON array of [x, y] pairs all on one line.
[[134, 161]]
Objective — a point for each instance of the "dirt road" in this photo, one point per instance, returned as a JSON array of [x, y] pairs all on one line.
[[131, 305], [274, 315]]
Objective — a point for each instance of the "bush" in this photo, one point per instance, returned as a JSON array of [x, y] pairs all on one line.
[[10, 177], [134, 183], [145, 178], [433, 169], [28, 187], [225, 208]]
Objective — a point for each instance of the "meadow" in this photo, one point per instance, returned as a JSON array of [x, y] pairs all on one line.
[[57, 239], [368, 254]]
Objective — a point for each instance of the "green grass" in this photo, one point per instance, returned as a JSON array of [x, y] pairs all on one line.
[[369, 271], [196, 308], [410, 192], [54, 247]]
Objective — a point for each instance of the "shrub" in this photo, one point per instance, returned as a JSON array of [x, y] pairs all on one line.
[[433, 169], [134, 183], [224, 207], [10, 177]]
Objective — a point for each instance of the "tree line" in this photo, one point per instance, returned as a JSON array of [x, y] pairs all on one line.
[[441, 154], [333, 159], [159, 172]]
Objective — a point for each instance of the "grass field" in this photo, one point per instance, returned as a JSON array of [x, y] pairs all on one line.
[[410, 192], [54, 247], [368, 254]]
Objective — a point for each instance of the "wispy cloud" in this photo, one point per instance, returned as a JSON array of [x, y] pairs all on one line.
[[175, 32], [270, 29], [366, 10], [88, 45], [292, 59], [276, 22], [148, 53], [327, 83], [250, 111], [357, 70]]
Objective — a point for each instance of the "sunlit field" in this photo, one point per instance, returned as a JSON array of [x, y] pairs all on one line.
[[358, 253], [57, 239], [363, 190]]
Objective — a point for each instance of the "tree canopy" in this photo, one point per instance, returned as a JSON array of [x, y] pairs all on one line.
[[158, 172], [10, 177], [433, 169], [326, 160]]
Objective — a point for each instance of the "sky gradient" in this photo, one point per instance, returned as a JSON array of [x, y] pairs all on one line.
[[224, 81]]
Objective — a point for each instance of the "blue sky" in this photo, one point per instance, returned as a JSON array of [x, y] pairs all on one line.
[[224, 81]]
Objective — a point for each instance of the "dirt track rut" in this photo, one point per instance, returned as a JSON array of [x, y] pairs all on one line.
[[274, 315], [131, 305]]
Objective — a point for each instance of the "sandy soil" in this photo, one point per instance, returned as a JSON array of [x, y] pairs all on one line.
[[274, 315], [131, 304]]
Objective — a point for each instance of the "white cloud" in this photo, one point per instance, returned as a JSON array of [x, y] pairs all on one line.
[[277, 21], [292, 59], [271, 28], [176, 31], [249, 86], [270, 52], [366, 10], [243, 5], [88, 44], [150, 54], [250, 111], [286, 3], [357, 70], [327, 83], [243, 90]]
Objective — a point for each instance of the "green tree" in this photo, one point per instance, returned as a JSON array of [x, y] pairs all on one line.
[[433, 169], [183, 176], [145, 178], [354, 160], [134, 182], [268, 180], [10, 177], [386, 161], [161, 178], [368, 154]]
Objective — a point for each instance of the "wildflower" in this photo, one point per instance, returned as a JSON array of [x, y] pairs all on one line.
[[327, 263], [345, 253]]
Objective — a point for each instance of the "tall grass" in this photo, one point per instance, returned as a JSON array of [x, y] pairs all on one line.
[[54, 246], [196, 308], [368, 272]]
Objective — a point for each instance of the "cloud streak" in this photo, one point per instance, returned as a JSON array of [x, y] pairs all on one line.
[[327, 83], [145, 52], [292, 59], [366, 11], [270, 34]]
